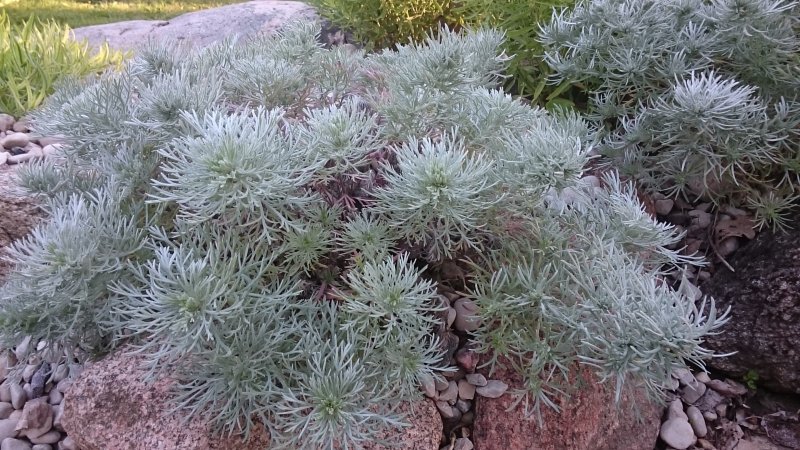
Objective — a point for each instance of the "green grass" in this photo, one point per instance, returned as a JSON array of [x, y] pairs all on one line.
[[79, 13]]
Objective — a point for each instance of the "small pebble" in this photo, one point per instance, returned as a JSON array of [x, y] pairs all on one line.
[[440, 383], [476, 379], [5, 393], [51, 437], [463, 405], [468, 418], [467, 359], [463, 444], [21, 352], [466, 315], [67, 444], [60, 373], [677, 433], [664, 206], [727, 389], [6, 122], [14, 444], [8, 428], [5, 410], [700, 218], [721, 410], [702, 377], [15, 140], [42, 447], [705, 445], [697, 421], [18, 396], [451, 317], [21, 126], [55, 396], [466, 390], [710, 416], [58, 413], [493, 389], [693, 391], [28, 371], [675, 410], [447, 411], [3, 157], [425, 380], [451, 393]]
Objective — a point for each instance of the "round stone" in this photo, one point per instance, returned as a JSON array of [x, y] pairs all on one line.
[[678, 434]]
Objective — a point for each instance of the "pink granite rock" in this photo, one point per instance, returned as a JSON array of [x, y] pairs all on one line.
[[588, 420], [109, 406]]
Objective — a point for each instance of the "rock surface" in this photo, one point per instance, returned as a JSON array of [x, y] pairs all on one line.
[[764, 296], [199, 28], [18, 213], [109, 406], [588, 421]]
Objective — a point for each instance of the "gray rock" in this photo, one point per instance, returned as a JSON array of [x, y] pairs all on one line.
[[476, 379], [55, 396], [67, 444], [700, 218], [683, 375], [200, 28], [5, 410], [678, 434], [37, 419], [466, 390], [728, 389], [21, 126], [14, 444], [8, 428], [21, 352], [51, 437], [493, 389], [6, 122], [697, 421], [693, 391], [451, 317], [426, 382], [58, 416], [28, 371], [664, 206], [675, 410], [440, 383], [463, 444], [709, 400], [447, 411], [18, 396], [15, 140], [702, 377], [3, 159], [5, 393], [451, 393], [463, 405], [42, 447], [466, 315], [61, 371], [39, 379]]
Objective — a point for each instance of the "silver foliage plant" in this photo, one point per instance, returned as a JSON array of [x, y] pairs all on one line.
[[275, 225], [700, 96]]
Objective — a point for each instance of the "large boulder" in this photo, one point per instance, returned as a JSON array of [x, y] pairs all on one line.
[[110, 406], [200, 28], [589, 420], [18, 213], [763, 292]]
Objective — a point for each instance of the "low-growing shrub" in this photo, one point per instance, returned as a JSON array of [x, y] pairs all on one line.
[[379, 24], [520, 20], [276, 225], [699, 98], [34, 56]]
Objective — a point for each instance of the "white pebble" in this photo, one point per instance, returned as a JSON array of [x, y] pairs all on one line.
[[697, 421], [476, 379], [4, 157], [493, 389], [678, 434], [14, 444], [15, 140], [67, 444], [702, 377]]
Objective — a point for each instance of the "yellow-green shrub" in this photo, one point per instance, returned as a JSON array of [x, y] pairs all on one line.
[[35, 55]]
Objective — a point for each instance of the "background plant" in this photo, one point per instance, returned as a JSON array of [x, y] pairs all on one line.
[[287, 252], [698, 99], [35, 55]]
